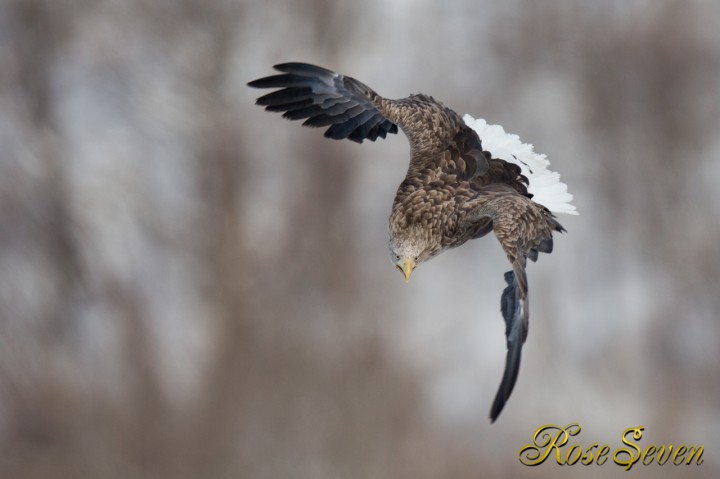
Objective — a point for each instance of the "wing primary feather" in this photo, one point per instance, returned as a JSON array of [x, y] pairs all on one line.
[[287, 107], [304, 69], [279, 81], [327, 117], [300, 113], [287, 95], [512, 308]]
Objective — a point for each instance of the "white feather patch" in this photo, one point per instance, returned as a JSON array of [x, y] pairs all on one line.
[[545, 185]]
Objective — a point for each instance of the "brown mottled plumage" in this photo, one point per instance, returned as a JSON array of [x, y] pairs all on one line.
[[453, 192]]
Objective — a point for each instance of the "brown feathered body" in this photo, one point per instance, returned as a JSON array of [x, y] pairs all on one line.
[[453, 191]]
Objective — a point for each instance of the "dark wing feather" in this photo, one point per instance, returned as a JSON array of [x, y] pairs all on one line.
[[325, 98], [524, 229], [514, 307]]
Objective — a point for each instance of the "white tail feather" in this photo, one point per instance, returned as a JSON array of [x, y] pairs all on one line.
[[545, 185]]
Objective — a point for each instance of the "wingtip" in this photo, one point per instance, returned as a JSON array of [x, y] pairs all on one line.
[[302, 68], [281, 67], [498, 406], [494, 415], [499, 403]]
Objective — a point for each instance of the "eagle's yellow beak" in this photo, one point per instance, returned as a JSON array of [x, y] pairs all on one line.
[[407, 268]]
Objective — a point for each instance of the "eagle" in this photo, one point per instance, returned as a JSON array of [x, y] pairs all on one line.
[[455, 190]]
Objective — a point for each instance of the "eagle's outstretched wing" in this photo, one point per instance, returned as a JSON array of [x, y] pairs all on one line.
[[325, 98], [524, 229]]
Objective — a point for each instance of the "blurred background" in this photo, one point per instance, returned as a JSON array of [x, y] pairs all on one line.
[[193, 287]]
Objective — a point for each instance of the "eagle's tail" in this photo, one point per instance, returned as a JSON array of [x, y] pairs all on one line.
[[545, 185]]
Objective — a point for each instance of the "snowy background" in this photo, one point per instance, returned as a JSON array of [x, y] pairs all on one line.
[[193, 287]]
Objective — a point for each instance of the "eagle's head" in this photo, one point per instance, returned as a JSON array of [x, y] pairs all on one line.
[[409, 248]]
